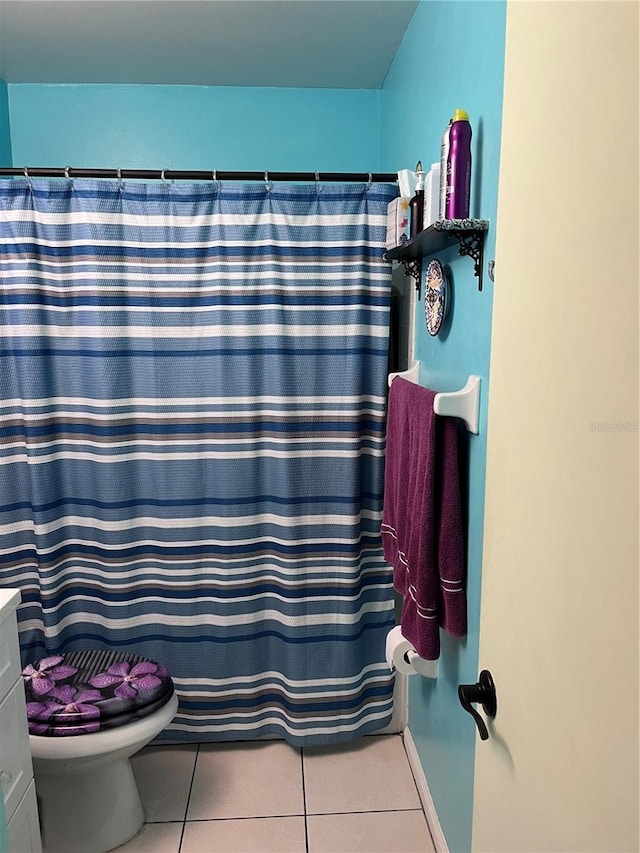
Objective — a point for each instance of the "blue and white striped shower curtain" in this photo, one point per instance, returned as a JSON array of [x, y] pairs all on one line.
[[192, 395]]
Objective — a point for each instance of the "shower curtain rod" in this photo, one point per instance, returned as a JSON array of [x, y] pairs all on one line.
[[192, 175]]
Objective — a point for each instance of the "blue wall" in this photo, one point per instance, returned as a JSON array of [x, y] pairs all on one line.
[[194, 127], [5, 134], [452, 56]]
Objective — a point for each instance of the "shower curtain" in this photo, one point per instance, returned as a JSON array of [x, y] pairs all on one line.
[[192, 401]]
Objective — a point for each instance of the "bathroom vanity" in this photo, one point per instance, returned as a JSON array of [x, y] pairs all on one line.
[[16, 772]]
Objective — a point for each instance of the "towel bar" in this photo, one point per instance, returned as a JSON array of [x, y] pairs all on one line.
[[464, 404]]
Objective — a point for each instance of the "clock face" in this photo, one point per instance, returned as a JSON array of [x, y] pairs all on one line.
[[435, 297]]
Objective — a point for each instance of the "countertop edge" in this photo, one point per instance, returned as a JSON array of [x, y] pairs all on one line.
[[9, 601]]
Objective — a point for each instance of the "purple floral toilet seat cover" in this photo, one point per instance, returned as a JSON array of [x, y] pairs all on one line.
[[85, 692]]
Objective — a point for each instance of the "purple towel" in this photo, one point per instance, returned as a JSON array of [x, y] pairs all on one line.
[[422, 518]]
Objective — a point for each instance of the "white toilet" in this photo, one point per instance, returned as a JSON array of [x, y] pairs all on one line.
[[84, 727]]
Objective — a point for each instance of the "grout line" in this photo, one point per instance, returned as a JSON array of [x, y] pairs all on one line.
[[365, 811], [278, 816], [186, 808], [244, 817], [193, 776], [181, 837], [304, 802], [162, 822], [306, 833]]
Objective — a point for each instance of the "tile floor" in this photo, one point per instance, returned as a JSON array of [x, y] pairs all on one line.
[[268, 797]]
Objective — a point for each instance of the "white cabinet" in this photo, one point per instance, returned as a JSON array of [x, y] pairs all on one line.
[[16, 772], [24, 830]]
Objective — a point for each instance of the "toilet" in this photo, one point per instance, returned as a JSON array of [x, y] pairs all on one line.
[[88, 713]]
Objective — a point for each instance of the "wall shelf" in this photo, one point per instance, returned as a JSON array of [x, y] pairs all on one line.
[[467, 233]]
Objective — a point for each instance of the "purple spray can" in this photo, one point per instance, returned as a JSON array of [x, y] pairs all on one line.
[[459, 167]]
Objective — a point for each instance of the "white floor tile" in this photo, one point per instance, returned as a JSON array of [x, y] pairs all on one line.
[[256, 779], [252, 835], [155, 838], [370, 774], [163, 775], [369, 832]]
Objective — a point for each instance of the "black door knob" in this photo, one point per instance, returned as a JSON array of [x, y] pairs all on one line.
[[484, 693]]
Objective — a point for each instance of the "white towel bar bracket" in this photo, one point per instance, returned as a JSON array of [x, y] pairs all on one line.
[[464, 404]]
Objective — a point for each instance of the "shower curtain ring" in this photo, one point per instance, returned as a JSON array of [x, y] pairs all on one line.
[[28, 177], [66, 172], [369, 182], [119, 174], [267, 182], [318, 187]]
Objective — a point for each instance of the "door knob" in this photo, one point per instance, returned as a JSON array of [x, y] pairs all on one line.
[[483, 692]]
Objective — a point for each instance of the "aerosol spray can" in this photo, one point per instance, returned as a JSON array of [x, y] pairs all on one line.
[[459, 167]]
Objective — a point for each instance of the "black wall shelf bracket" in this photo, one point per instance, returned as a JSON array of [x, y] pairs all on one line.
[[471, 243], [414, 268]]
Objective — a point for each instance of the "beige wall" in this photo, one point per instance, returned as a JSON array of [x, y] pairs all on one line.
[[559, 624]]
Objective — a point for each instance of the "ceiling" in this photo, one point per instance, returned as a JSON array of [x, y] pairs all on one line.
[[297, 43]]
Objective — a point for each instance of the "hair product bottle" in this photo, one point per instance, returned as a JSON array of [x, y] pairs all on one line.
[[417, 203], [459, 167], [444, 156], [431, 195]]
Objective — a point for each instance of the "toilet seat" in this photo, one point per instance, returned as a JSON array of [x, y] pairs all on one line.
[[85, 692]]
